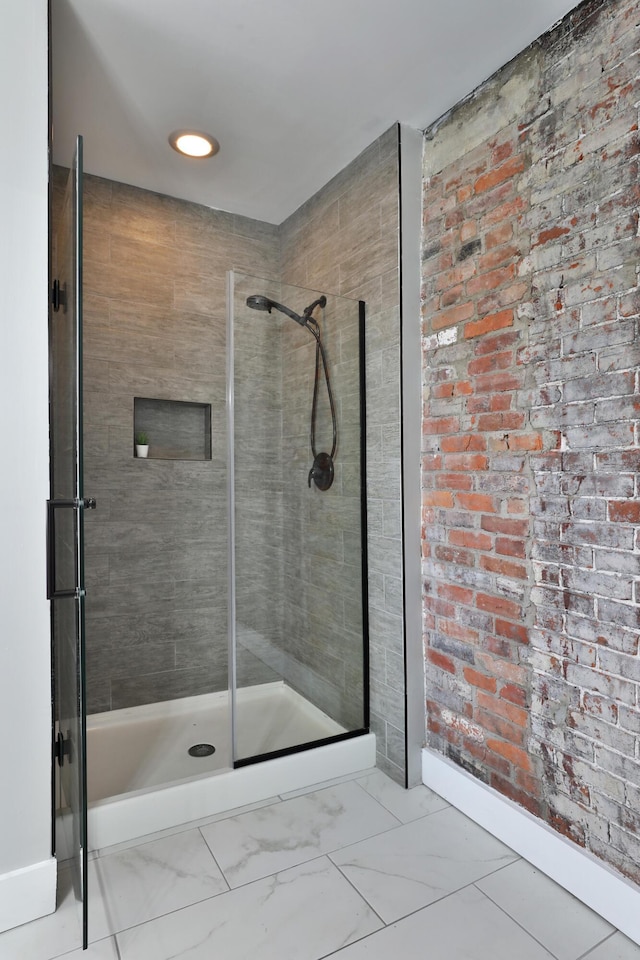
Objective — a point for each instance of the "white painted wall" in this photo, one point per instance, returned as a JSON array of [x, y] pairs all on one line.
[[24, 612]]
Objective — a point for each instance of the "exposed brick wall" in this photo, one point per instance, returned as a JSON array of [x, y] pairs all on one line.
[[530, 453]]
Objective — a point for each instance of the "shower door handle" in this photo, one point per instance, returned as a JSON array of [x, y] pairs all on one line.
[[77, 504]]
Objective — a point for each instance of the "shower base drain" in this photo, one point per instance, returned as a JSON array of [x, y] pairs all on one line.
[[201, 750]]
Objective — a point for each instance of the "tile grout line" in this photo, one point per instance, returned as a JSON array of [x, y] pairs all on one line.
[[585, 956], [513, 919], [361, 895]]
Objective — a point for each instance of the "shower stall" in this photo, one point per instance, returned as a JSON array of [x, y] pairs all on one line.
[[221, 597], [290, 671]]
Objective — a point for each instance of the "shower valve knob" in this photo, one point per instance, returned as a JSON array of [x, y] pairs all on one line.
[[322, 471]]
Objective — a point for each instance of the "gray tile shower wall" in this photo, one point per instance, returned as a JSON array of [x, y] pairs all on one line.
[[322, 590], [344, 240], [156, 547]]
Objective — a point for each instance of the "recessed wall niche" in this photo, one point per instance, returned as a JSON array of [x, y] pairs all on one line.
[[177, 429]]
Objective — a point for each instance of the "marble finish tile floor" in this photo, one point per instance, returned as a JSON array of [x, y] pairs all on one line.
[[354, 869]]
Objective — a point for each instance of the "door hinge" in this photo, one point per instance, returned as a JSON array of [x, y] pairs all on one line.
[[63, 747], [58, 295]]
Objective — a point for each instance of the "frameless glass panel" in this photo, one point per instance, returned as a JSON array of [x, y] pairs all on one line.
[[298, 621], [65, 532]]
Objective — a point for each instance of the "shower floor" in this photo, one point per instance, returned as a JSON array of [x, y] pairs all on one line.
[[143, 747]]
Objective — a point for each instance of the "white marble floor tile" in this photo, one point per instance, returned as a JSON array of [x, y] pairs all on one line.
[[616, 947], [420, 862], [326, 783], [406, 805], [147, 881], [303, 913], [257, 844], [60, 932], [566, 927], [463, 926], [182, 828], [102, 950]]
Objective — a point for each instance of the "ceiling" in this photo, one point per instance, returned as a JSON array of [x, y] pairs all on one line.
[[292, 89]]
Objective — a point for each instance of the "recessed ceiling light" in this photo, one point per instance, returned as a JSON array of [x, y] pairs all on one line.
[[191, 143]]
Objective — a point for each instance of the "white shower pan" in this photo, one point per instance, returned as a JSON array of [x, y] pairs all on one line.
[[141, 777]]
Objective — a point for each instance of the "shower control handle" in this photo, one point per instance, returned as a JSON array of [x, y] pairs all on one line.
[[322, 471]]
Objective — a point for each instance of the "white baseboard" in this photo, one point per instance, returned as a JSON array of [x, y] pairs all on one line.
[[27, 894], [578, 871]]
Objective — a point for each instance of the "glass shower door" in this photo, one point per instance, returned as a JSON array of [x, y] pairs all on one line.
[[298, 581], [65, 564]]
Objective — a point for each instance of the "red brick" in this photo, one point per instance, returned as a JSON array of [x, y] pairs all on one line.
[[439, 660], [496, 344], [510, 548], [432, 462], [448, 318], [498, 646], [501, 421], [499, 235], [477, 679], [454, 481], [437, 498], [461, 461], [457, 594], [453, 295], [468, 231], [490, 280], [504, 567], [502, 151], [492, 723], [495, 382], [625, 511], [463, 271], [512, 753], [458, 556], [435, 265], [435, 425], [498, 256], [494, 361], [513, 672], [527, 441], [513, 693], [552, 234], [467, 443], [493, 302], [511, 528], [476, 501], [440, 607], [442, 390], [453, 219], [471, 539], [488, 402], [513, 631], [498, 605], [454, 629], [496, 321], [520, 797], [505, 211], [528, 783], [503, 708], [499, 174]]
